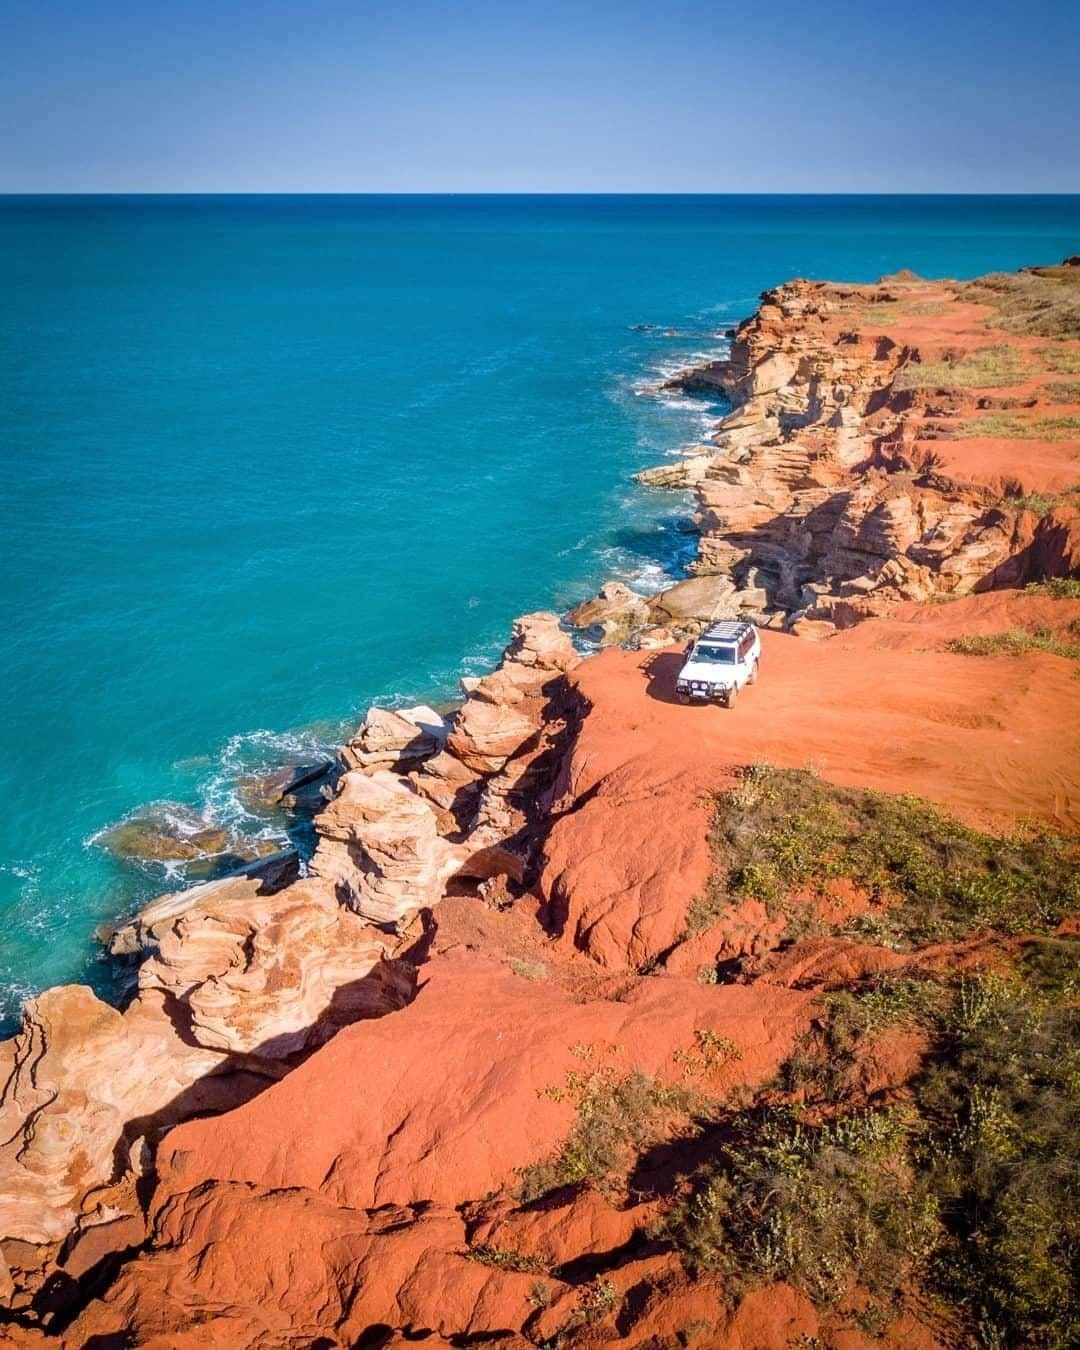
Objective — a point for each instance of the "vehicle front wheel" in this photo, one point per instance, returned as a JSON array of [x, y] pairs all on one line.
[[682, 698], [753, 674], [732, 694]]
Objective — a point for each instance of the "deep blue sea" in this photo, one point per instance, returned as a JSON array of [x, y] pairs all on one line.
[[268, 459]]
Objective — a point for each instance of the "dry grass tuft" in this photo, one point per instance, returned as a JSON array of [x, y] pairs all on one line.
[[1006, 426], [1017, 642], [1041, 301], [987, 368], [1060, 360]]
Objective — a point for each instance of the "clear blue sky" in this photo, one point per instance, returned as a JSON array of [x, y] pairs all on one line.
[[549, 96]]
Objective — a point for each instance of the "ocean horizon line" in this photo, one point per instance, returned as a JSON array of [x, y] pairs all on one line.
[[13, 194]]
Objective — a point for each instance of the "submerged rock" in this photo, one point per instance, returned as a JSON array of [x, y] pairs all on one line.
[[167, 833], [266, 792], [172, 833]]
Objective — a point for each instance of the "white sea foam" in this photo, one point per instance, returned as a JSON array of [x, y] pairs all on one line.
[[255, 752]]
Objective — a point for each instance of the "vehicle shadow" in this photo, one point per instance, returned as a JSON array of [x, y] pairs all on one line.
[[661, 672]]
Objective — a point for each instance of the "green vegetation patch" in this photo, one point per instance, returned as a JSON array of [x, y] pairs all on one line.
[[617, 1117], [882, 313], [1057, 588], [1061, 360], [1063, 391], [972, 1191], [1042, 301], [528, 969], [1018, 642], [499, 1258], [929, 877], [821, 1206], [990, 367], [1038, 503], [1001, 1102], [1008, 427]]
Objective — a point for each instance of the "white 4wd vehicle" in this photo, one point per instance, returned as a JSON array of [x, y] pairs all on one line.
[[719, 663]]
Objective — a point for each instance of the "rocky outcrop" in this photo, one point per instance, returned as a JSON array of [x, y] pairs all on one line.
[[683, 472], [269, 974], [240, 978], [302, 788], [395, 738], [844, 481], [380, 848], [614, 613]]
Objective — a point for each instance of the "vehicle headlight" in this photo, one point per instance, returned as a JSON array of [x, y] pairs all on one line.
[[682, 684]]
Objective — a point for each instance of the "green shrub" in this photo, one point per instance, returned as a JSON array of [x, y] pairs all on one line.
[[1057, 588], [929, 877], [1016, 642], [1002, 1098], [823, 1206], [616, 1118]]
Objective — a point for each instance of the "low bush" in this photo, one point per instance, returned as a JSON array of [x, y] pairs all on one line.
[[1057, 588], [528, 968], [1017, 642], [1040, 503], [817, 1205], [499, 1259], [928, 876], [617, 1118], [973, 1193], [1043, 301]]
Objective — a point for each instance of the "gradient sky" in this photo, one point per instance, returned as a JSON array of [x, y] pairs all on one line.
[[668, 96]]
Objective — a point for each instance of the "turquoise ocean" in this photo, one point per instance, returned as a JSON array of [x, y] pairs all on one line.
[[265, 460]]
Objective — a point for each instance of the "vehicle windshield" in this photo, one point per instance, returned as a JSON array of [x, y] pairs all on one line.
[[723, 656]]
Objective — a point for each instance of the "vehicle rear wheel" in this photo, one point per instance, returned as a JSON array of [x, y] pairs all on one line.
[[753, 674]]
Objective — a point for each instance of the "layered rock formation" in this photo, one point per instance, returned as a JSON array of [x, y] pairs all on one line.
[[853, 471], [239, 979]]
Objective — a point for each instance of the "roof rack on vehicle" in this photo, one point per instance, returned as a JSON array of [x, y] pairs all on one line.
[[726, 630]]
